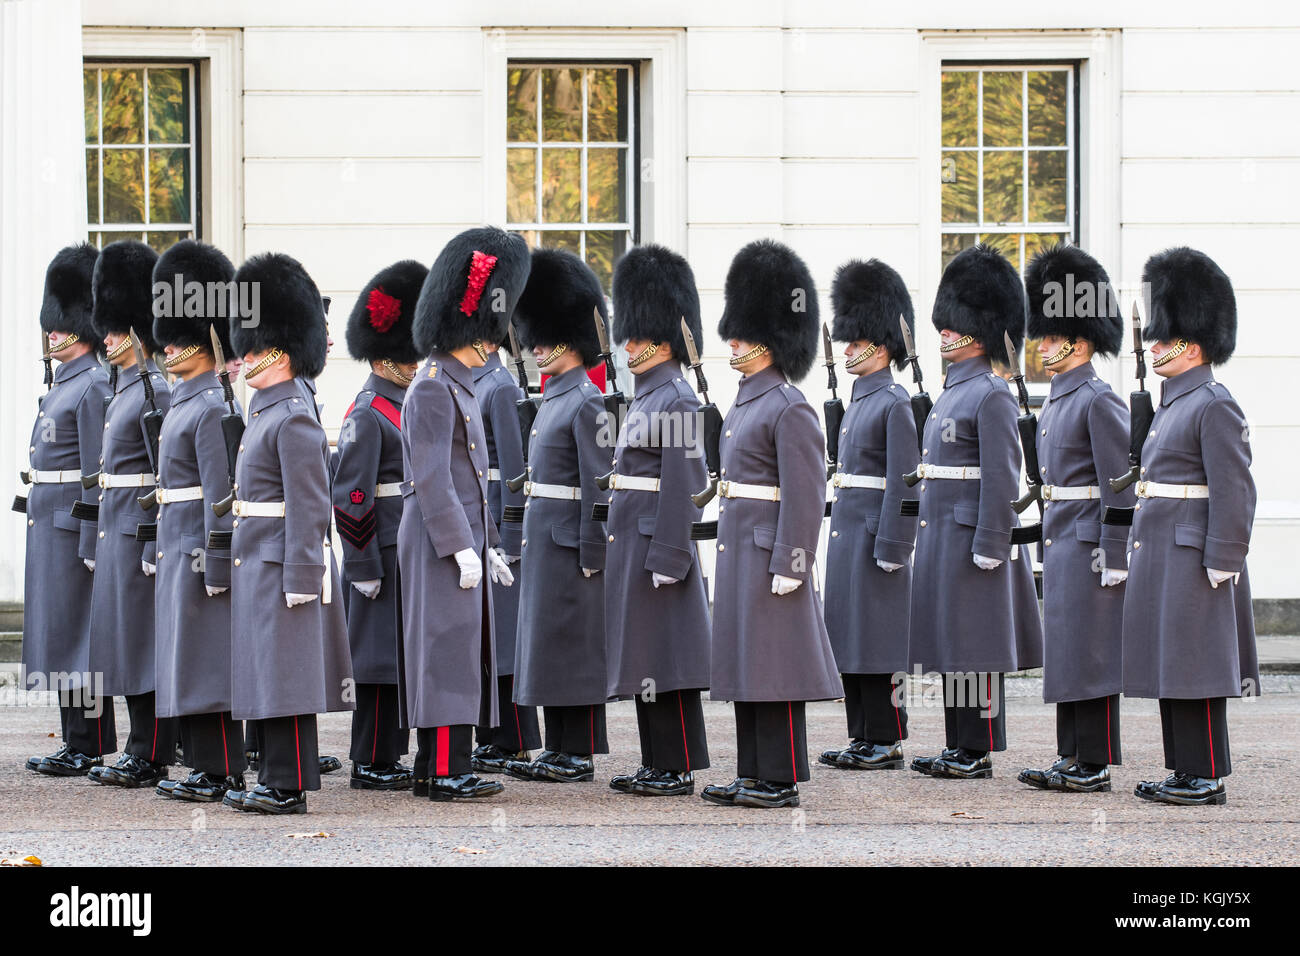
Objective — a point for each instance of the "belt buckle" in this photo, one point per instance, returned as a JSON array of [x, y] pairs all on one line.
[[103, 480], [724, 488], [1047, 492], [1142, 488], [528, 489]]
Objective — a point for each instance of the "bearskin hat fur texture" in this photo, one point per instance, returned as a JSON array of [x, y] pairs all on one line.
[[123, 291], [290, 315], [558, 302], [68, 300], [868, 297], [471, 290], [1191, 298], [980, 295], [183, 316], [380, 324], [771, 300], [1070, 295], [654, 289]]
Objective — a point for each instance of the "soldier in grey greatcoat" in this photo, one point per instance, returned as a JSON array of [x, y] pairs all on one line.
[[289, 642], [974, 606], [1189, 630], [122, 602], [560, 659], [65, 445], [868, 557], [1082, 443], [656, 603], [192, 587], [367, 494], [770, 650]]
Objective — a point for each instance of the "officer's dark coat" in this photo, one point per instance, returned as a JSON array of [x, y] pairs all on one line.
[[193, 630], [445, 643], [497, 392], [1082, 440], [867, 609], [965, 619], [286, 661], [661, 635], [560, 654], [765, 647], [122, 618], [67, 436], [370, 453], [1182, 638]]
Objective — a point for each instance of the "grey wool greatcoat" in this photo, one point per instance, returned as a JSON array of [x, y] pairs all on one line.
[[1184, 639], [193, 630], [560, 653], [497, 391], [768, 647], [658, 634], [868, 609], [965, 619], [286, 660], [445, 641], [122, 601], [1082, 442], [370, 454], [67, 436]]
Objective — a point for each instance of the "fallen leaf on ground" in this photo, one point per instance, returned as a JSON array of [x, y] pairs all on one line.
[[25, 861], [967, 816], [469, 849], [317, 835]]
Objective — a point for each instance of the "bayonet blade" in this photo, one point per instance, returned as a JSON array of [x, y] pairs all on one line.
[[1137, 329], [45, 345], [1011, 354], [138, 349], [827, 347], [217, 351], [692, 352], [907, 337], [601, 333], [514, 342]]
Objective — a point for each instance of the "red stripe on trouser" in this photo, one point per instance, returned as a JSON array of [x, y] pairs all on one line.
[[1110, 755], [153, 752], [990, 676], [1209, 730], [898, 720], [794, 766], [297, 748], [374, 748], [225, 749], [519, 731], [685, 747], [442, 766]]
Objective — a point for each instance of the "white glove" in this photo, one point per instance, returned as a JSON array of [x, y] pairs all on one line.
[[984, 563], [781, 585], [368, 589], [471, 568], [657, 579], [89, 563], [887, 566], [499, 569], [149, 569], [588, 572], [511, 558], [1218, 577], [1110, 578], [293, 600], [213, 592]]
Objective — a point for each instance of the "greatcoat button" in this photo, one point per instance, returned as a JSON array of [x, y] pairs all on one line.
[[236, 562], [30, 522], [722, 547], [835, 534], [611, 537], [922, 524], [728, 435], [1047, 541], [101, 534], [1137, 544]]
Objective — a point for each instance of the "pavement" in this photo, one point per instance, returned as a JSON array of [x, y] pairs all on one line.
[[846, 817]]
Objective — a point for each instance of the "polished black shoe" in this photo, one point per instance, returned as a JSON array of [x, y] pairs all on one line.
[[523, 769], [1188, 791], [925, 765], [768, 795], [664, 783], [490, 758], [1081, 778], [34, 762], [623, 782], [464, 786], [1038, 778], [419, 786], [863, 755], [129, 771], [270, 800], [381, 776], [330, 764], [165, 787], [726, 796], [234, 799], [66, 763], [564, 768], [1146, 788], [831, 758], [963, 765], [253, 759], [201, 787]]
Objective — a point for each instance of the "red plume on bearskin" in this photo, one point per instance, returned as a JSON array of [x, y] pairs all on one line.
[[384, 310], [480, 269]]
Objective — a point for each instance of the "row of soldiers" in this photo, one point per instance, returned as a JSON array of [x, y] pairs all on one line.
[[504, 554]]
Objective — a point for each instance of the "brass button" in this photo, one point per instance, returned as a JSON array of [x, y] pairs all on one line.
[[1137, 544], [101, 534], [1044, 431], [1043, 469], [466, 418], [160, 554], [1047, 541], [241, 447], [236, 562], [721, 508], [234, 524], [844, 431], [724, 471], [534, 431], [728, 432], [472, 446], [1138, 506], [923, 487], [480, 474], [722, 547], [611, 537], [835, 534], [925, 451], [923, 523], [523, 543], [30, 522]]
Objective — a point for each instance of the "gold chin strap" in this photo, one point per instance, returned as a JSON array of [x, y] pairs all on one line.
[[555, 353], [1061, 354], [180, 356], [645, 355], [72, 339], [478, 346], [960, 343], [862, 356], [398, 375], [1179, 348], [755, 352], [271, 358], [122, 349]]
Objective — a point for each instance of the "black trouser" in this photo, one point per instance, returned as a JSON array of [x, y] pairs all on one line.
[[152, 737], [519, 727], [974, 712], [290, 755], [672, 731], [252, 737], [213, 744], [443, 751], [84, 731], [1196, 736], [377, 734], [1088, 730], [772, 741], [869, 705], [579, 730]]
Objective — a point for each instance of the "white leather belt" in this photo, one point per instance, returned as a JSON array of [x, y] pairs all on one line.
[[535, 489], [1076, 493], [734, 489], [126, 481], [325, 593], [259, 509], [494, 474], [1154, 489], [843, 479], [960, 472], [632, 483], [388, 489], [36, 477], [169, 496]]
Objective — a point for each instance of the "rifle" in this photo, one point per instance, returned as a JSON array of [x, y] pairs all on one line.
[[527, 408], [833, 409], [48, 360], [1140, 414], [712, 420], [232, 433], [1027, 425], [921, 407], [152, 420], [615, 403]]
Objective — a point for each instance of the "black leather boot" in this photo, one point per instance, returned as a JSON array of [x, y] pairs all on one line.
[[665, 783], [65, 763], [386, 776], [925, 765], [564, 768], [1081, 778], [963, 765], [1038, 778], [130, 771], [726, 796], [623, 782], [768, 795], [272, 801], [465, 786], [200, 787], [863, 755]]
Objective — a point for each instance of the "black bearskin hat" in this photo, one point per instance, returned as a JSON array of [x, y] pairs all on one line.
[[68, 299], [175, 321], [1070, 295], [654, 289], [123, 291], [868, 297], [771, 300], [1191, 298], [471, 290], [980, 295], [380, 324], [290, 314], [558, 302]]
